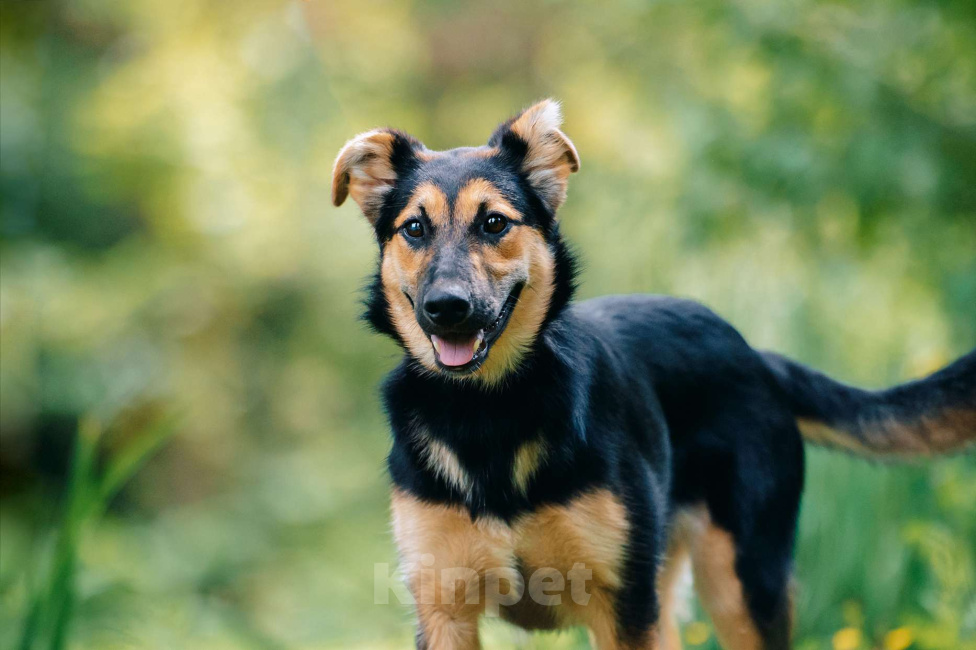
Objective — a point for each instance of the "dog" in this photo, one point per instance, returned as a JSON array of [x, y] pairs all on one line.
[[615, 438]]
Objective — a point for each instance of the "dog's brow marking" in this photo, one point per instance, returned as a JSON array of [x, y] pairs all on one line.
[[442, 461], [432, 199], [478, 192], [528, 459]]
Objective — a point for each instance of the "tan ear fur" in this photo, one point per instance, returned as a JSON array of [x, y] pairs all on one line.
[[551, 156], [364, 170]]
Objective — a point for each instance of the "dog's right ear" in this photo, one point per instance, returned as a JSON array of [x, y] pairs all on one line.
[[368, 167], [544, 153]]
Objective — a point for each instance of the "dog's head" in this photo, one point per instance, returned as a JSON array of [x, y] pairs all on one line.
[[471, 263]]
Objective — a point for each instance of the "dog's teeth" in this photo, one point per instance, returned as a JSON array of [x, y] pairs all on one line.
[[437, 347]]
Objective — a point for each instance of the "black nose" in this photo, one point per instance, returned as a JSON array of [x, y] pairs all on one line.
[[447, 306]]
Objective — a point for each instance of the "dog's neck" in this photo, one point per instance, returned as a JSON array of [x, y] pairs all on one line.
[[464, 440]]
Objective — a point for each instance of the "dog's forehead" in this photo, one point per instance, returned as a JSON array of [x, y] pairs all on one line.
[[451, 170]]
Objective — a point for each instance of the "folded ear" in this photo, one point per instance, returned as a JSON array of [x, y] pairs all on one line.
[[368, 167], [545, 154]]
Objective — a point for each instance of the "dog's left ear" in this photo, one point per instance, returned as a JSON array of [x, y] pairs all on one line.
[[368, 167], [546, 156]]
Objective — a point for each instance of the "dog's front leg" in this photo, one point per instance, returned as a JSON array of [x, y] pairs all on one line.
[[437, 629], [452, 564]]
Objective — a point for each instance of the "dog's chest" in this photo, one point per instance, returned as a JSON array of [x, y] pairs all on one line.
[[566, 550], [479, 480]]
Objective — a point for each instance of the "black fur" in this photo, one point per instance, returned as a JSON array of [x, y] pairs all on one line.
[[654, 398], [869, 419]]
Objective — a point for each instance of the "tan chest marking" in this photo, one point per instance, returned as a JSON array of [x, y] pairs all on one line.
[[528, 459], [588, 534], [440, 460], [591, 529], [445, 557]]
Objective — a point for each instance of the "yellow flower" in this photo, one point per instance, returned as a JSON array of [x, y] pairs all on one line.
[[848, 638], [898, 639], [696, 633]]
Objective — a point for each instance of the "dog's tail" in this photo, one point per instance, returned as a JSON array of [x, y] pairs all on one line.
[[929, 416]]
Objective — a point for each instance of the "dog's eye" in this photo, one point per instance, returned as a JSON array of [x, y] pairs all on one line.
[[495, 224], [413, 229]]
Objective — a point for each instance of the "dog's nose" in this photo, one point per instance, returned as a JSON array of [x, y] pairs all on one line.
[[447, 307]]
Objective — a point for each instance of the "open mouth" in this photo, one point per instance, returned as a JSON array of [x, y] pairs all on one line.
[[462, 353]]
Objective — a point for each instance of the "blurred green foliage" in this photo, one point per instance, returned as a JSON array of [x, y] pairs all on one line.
[[808, 169]]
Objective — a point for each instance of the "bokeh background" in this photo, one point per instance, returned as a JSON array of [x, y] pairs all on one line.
[[192, 445]]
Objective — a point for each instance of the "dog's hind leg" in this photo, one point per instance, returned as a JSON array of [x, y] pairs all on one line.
[[670, 575], [723, 593], [738, 483], [742, 577], [731, 593]]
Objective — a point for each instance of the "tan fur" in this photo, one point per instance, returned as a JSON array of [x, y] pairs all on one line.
[[953, 429], [719, 588], [949, 430], [363, 170], [442, 461], [434, 538], [528, 459], [402, 267], [476, 192], [551, 156], [674, 565], [521, 256], [590, 531], [434, 202], [820, 433], [527, 247]]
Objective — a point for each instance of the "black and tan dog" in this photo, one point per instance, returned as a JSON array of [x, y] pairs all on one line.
[[622, 435]]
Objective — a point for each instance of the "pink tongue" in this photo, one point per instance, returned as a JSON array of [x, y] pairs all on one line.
[[456, 352]]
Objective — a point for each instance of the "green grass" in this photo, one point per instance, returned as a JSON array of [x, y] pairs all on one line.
[[53, 597]]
